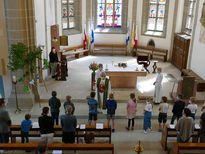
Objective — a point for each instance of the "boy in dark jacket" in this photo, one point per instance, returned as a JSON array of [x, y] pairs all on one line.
[[55, 105], [111, 107]]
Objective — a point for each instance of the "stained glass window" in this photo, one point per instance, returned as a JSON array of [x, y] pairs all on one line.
[[68, 14], [189, 17], [156, 15], [109, 13]]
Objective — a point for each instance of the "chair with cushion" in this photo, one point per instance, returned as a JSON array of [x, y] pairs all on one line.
[[143, 60]]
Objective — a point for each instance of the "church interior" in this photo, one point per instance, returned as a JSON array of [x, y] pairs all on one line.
[[136, 41]]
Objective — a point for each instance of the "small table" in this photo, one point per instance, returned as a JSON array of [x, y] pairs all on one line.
[[154, 66]]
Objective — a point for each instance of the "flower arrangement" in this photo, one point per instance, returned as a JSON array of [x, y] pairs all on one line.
[[93, 66]]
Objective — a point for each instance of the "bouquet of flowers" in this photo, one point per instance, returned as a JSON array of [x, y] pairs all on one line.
[[93, 66]]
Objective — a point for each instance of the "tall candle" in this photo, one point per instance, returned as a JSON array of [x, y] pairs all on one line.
[[14, 78]]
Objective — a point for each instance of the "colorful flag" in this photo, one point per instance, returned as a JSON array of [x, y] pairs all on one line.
[[128, 37], [92, 36], [136, 36], [133, 37], [84, 40]]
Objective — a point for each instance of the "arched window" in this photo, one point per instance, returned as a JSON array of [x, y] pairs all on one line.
[[189, 9], [71, 12], [68, 14], [110, 16], [155, 17], [109, 13]]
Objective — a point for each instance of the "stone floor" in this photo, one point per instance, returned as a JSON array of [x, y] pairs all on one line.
[[78, 86]]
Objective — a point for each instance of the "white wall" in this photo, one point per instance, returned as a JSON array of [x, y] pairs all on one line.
[[179, 17], [77, 39], [198, 52], [45, 17], [164, 43]]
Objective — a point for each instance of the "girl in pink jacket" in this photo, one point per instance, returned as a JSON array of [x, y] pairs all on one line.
[[131, 111]]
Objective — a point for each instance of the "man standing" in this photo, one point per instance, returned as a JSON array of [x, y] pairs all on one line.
[[178, 109], [5, 122], [55, 105], [68, 123], [185, 127], [158, 87], [46, 125], [54, 61]]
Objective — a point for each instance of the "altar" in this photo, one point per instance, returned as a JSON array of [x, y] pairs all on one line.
[[124, 77]]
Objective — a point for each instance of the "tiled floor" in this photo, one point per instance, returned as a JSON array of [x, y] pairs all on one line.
[[78, 86]]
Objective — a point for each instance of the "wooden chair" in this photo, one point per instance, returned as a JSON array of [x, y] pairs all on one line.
[[143, 60]]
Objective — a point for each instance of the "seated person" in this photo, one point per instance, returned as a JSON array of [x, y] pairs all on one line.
[[42, 147]]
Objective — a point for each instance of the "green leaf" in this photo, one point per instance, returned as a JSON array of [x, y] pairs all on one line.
[[26, 89]]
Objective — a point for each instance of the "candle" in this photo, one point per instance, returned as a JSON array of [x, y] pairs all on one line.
[[14, 78]]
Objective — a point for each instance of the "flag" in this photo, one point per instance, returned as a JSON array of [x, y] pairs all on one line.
[[92, 36], [133, 37], [136, 36], [89, 39], [128, 37], [84, 40]]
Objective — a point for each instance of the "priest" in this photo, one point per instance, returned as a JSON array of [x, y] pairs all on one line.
[[102, 87], [158, 87]]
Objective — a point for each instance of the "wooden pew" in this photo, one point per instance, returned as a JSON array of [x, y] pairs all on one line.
[[75, 51], [181, 148], [56, 146], [98, 47], [169, 132], [15, 131], [152, 51]]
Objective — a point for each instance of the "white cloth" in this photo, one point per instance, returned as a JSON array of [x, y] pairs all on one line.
[[163, 107], [193, 108], [48, 138], [148, 107], [158, 88]]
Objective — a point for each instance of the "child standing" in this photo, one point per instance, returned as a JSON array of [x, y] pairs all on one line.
[[192, 107], [131, 110], [25, 128], [163, 109], [111, 107], [147, 115], [92, 103]]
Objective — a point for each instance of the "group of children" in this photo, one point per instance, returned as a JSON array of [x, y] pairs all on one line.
[[111, 105]]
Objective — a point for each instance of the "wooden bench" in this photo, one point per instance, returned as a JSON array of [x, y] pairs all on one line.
[[200, 81], [15, 131], [182, 148], [152, 51], [98, 47], [75, 51], [171, 132], [56, 146]]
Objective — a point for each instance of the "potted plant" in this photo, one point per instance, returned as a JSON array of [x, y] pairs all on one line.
[[26, 59], [93, 66]]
